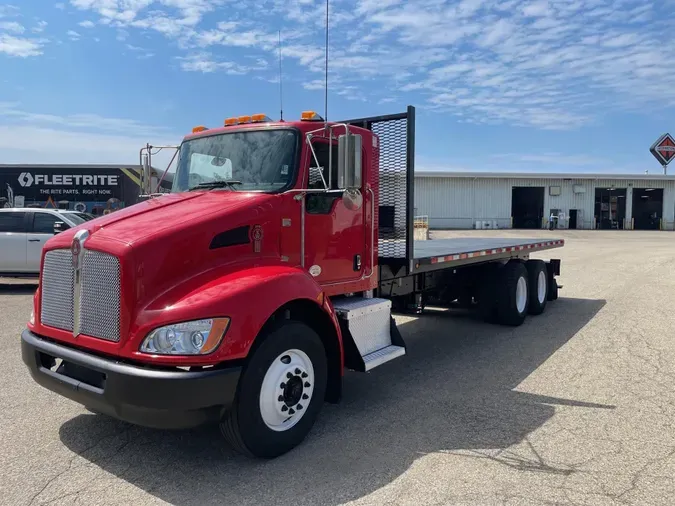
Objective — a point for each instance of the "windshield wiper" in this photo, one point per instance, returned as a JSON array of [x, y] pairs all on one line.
[[215, 184]]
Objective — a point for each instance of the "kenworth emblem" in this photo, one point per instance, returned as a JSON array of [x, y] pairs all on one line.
[[77, 249], [257, 235]]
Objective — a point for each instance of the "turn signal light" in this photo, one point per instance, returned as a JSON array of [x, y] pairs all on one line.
[[244, 119], [230, 121], [198, 129], [310, 116]]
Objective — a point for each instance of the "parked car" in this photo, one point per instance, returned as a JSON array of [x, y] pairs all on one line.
[[23, 232]]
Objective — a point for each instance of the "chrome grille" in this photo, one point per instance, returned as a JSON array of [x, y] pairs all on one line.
[[57, 285], [100, 299], [99, 293]]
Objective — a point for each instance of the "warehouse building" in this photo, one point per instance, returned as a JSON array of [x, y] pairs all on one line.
[[466, 200]]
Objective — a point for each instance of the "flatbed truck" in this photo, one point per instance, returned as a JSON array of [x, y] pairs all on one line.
[[275, 263]]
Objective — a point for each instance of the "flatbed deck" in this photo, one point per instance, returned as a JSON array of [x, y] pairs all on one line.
[[464, 250], [441, 249]]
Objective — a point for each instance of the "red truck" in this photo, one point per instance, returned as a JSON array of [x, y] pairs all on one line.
[[274, 264]]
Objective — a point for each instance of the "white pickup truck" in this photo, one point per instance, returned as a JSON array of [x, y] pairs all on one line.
[[23, 232]]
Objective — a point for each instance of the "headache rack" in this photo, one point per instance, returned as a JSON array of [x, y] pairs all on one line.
[[395, 214]]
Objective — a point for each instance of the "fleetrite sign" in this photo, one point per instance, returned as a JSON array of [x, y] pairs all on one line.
[[28, 179], [40, 185]]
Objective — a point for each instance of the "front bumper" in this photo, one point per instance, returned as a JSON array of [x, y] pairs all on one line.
[[158, 398]]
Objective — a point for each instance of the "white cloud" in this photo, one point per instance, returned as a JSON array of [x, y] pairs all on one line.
[[87, 24], [29, 144], [39, 27], [19, 47], [73, 35], [536, 63], [204, 62], [12, 41], [11, 26], [8, 11], [17, 115], [28, 137], [496, 33], [536, 9]]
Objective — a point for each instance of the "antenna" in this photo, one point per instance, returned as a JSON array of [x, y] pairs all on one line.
[[281, 89], [325, 116]]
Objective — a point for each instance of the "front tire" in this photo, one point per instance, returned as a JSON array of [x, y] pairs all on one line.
[[280, 392]]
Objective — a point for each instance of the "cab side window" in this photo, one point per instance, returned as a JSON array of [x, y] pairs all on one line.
[[322, 203], [12, 222], [43, 223], [322, 151]]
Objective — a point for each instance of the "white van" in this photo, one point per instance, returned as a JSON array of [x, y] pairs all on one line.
[[23, 232]]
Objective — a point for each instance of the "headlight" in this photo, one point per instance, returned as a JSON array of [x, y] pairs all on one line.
[[199, 337]]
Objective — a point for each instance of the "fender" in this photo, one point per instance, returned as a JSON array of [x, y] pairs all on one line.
[[249, 297]]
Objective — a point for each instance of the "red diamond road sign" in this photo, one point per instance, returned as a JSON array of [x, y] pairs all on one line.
[[664, 149]]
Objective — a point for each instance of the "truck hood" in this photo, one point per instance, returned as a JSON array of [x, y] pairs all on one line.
[[152, 218]]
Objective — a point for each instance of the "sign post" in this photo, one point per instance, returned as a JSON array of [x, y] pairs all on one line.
[[664, 150]]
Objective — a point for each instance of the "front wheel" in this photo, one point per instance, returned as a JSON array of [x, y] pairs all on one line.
[[280, 393]]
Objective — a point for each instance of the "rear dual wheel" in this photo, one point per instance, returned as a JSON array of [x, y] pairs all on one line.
[[538, 286], [513, 294], [512, 291]]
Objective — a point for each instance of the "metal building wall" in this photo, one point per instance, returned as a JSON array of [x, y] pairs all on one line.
[[458, 202]]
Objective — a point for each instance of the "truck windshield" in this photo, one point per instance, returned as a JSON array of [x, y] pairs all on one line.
[[257, 160]]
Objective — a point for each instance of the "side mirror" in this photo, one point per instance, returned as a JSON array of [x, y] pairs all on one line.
[[59, 227], [349, 161]]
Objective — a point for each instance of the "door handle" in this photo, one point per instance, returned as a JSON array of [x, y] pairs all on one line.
[[33, 240]]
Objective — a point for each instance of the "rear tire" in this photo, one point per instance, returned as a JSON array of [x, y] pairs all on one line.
[[280, 392], [512, 294], [538, 286]]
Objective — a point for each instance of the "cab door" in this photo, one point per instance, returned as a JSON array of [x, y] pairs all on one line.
[[335, 244], [13, 241]]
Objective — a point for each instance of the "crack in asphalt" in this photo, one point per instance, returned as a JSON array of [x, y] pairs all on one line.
[[80, 454]]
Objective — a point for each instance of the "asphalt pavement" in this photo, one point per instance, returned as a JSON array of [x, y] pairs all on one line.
[[576, 406]]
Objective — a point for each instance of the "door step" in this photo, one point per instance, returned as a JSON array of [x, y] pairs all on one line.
[[370, 336], [379, 357]]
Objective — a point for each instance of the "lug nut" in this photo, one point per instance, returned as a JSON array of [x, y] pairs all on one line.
[[307, 385], [304, 374], [289, 375], [298, 407], [281, 398], [305, 397], [297, 371], [283, 385], [284, 408], [291, 411]]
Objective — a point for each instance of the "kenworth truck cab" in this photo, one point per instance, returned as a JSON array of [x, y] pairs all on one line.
[[240, 297]]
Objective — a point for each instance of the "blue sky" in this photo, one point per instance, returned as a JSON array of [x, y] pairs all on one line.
[[499, 85]]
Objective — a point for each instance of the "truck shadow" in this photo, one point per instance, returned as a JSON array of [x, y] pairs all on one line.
[[17, 287], [455, 390]]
